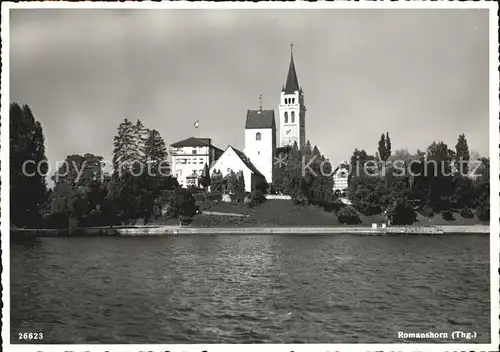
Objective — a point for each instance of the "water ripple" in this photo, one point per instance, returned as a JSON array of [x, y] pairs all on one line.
[[249, 289]]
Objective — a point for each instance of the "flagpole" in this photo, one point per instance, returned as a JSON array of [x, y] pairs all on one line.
[[196, 124]]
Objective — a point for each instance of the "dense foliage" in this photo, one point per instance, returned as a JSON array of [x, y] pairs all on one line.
[[231, 183], [305, 175], [437, 181], [140, 186], [348, 216], [28, 167]]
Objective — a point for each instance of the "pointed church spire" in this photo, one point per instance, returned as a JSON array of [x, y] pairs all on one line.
[[292, 83]]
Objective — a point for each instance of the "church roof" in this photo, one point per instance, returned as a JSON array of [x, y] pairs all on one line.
[[341, 166], [193, 142], [246, 161], [260, 119], [292, 83]]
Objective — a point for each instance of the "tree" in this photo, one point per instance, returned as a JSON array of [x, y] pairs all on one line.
[[401, 213], [388, 147], [141, 135], [135, 191], [181, 202], [216, 181], [483, 171], [359, 161], [462, 156], [240, 182], [280, 169], [256, 197], [438, 178], [79, 170], [155, 152], [384, 147], [125, 197], [348, 216], [204, 180], [402, 155], [28, 168], [125, 149], [381, 147], [307, 150], [305, 175], [79, 193], [442, 157], [231, 182], [91, 207], [316, 151]]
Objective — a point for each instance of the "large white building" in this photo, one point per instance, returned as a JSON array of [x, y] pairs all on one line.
[[189, 158], [340, 179], [256, 162]]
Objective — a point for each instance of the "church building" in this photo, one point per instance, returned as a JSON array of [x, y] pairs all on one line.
[[256, 160]]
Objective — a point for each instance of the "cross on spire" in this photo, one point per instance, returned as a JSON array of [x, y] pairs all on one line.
[[291, 48], [260, 102]]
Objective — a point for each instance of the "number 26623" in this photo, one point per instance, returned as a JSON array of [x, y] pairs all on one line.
[[30, 336]]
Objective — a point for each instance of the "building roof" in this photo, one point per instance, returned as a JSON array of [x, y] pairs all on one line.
[[243, 158], [247, 161], [260, 119], [292, 83], [193, 142], [341, 166]]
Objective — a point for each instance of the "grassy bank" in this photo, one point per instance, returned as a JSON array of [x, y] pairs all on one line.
[[272, 216], [270, 213], [285, 213]]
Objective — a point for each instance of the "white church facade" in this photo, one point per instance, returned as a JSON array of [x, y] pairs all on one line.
[[234, 160]]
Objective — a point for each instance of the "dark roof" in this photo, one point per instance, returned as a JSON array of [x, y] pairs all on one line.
[[342, 165], [246, 161], [292, 83], [260, 119], [193, 142]]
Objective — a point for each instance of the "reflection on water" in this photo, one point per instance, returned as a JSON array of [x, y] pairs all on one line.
[[249, 288]]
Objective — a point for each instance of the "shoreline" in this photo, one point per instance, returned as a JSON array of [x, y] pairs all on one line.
[[152, 230]]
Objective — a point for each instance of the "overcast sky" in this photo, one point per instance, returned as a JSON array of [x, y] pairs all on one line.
[[421, 75]]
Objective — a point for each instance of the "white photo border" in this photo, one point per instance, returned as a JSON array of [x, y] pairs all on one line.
[[492, 7]]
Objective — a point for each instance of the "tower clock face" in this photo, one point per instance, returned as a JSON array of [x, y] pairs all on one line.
[[289, 132]]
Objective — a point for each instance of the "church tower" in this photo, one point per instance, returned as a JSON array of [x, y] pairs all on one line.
[[260, 141], [292, 111]]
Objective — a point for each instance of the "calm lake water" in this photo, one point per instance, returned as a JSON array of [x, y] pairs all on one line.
[[250, 288]]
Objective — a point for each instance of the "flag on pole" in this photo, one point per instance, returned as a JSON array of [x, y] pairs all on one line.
[[196, 124]]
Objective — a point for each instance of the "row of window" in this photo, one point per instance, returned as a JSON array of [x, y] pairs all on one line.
[[186, 151], [189, 161], [292, 115], [178, 173], [289, 100]]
